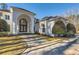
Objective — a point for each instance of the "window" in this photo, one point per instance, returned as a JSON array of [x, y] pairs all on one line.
[[23, 25], [7, 17], [43, 28]]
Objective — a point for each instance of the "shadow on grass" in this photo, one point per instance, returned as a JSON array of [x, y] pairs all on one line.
[[59, 50]]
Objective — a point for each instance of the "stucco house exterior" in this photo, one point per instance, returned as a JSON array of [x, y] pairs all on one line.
[[47, 23], [23, 21], [20, 20]]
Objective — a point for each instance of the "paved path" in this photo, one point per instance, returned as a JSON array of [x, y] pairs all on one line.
[[50, 48], [36, 40], [39, 45], [74, 49]]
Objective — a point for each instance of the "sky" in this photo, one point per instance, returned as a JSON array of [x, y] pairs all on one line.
[[46, 9]]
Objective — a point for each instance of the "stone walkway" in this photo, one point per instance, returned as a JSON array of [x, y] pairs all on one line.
[[38, 45], [73, 50], [43, 47], [34, 40]]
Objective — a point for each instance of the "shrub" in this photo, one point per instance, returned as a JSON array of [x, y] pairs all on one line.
[[4, 27], [3, 34]]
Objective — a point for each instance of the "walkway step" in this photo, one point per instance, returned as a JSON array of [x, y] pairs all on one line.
[[29, 36], [10, 50], [45, 45], [9, 46], [12, 46], [41, 46]]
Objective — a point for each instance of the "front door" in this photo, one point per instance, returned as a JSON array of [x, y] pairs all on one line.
[[23, 25]]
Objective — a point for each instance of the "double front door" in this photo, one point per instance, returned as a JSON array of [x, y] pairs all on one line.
[[23, 25]]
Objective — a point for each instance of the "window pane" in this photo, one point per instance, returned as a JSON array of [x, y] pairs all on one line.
[[7, 17]]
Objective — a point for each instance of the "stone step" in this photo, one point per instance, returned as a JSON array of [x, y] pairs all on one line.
[[36, 41], [54, 44], [9, 46], [10, 42], [33, 39], [41, 46], [13, 50], [13, 46], [29, 36]]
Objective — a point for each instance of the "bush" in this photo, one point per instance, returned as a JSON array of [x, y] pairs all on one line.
[[4, 27], [3, 34]]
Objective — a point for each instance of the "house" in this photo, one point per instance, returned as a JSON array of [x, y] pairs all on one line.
[[23, 21], [47, 23], [20, 20]]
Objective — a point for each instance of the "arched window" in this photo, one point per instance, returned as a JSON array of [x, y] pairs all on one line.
[[23, 25]]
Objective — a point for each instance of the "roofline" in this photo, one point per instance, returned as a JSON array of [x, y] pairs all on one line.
[[5, 10], [56, 17], [23, 9]]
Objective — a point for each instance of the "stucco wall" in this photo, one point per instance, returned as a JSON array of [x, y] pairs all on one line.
[[15, 19], [40, 27], [50, 27]]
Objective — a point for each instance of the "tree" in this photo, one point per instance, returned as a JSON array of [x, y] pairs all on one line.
[[59, 28], [3, 6], [73, 17], [4, 27]]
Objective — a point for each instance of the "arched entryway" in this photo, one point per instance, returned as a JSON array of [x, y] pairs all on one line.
[[23, 25], [71, 28], [59, 28]]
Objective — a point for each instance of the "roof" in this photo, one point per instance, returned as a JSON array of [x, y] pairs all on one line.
[[5, 10], [23, 9], [51, 18]]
